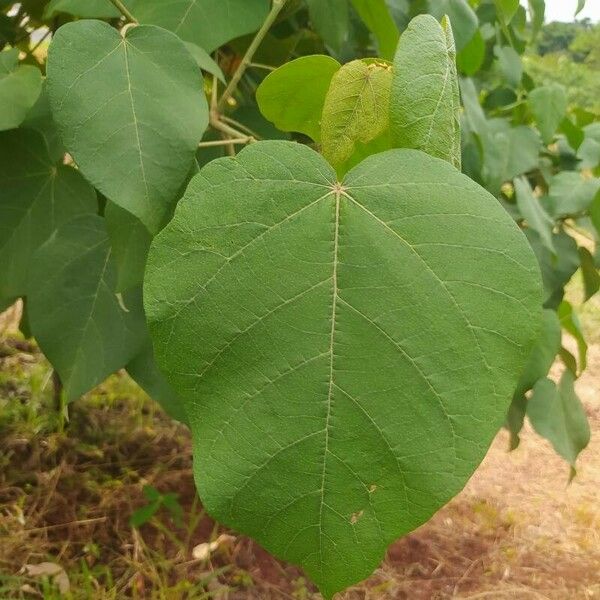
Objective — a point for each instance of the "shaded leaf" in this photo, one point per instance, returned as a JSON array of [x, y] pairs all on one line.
[[533, 212], [206, 23], [36, 197], [462, 17], [89, 332], [131, 111], [570, 323], [510, 65], [204, 61], [556, 413], [87, 9], [376, 16], [293, 96], [321, 334], [425, 102], [331, 20], [591, 277], [571, 194], [20, 86]]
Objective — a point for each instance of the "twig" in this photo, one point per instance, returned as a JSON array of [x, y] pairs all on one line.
[[247, 59], [124, 11], [212, 143]]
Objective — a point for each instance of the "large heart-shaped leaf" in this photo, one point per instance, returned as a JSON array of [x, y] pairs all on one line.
[[207, 23], [345, 351], [82, 326], [425, 102], [20, 86], [36, 197], [131, 110]]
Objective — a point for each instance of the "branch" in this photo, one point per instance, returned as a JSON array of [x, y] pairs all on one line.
[[247, 60], [241, 140], [124, 11]]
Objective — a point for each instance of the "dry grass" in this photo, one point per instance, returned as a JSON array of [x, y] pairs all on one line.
[[517, 530]]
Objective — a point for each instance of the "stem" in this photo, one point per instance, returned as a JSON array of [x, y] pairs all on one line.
[[212, 143], [124, 11], [247, 60]]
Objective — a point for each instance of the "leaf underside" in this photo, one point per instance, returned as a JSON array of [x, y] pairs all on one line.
[[345, 352]]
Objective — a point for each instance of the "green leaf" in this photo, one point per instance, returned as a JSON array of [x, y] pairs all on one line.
[[537, 13], [543, 353], [591, 277], [130, 242], [508, 152], [557, 268], [589, 150], [471, 57], [36, 197], [205, 61], [206, 23], [342, 349], [331, 20], [462, 17], [556, 413], [20, 86], [571, 194], [356, 114], [143, 370], [510, 65], [506, 9], [376, 16], [40, 118], [549, 106], [533, 212], [425, 102], [87, 9], [131, 111], [292, 97], [82, 327], [571, 324], [580, 6]]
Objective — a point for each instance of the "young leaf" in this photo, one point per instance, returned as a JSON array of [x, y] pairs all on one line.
[[331, 20], [292, 97], [342, 349], [20, 86], [425, 103], [206, 23], [533, 212], [376, 16], [82, 326], [556, 413], [355, 118], [131, 110], [87, 9], [549, 106], [36, 197]]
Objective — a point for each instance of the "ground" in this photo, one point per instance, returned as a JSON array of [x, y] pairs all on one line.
[[68, 490]]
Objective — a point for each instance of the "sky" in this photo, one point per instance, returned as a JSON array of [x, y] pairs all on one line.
[[563, 10]]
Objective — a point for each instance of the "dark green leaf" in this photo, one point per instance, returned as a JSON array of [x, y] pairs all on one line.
[[471, 57], [376, 16], [337, 343], [293, 96], [331, 20], [36, 197], [82, 326], [591, 278], [87, 9], [20, 86], [206, 23], [571, 324], [204, 61], [131, 111]]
